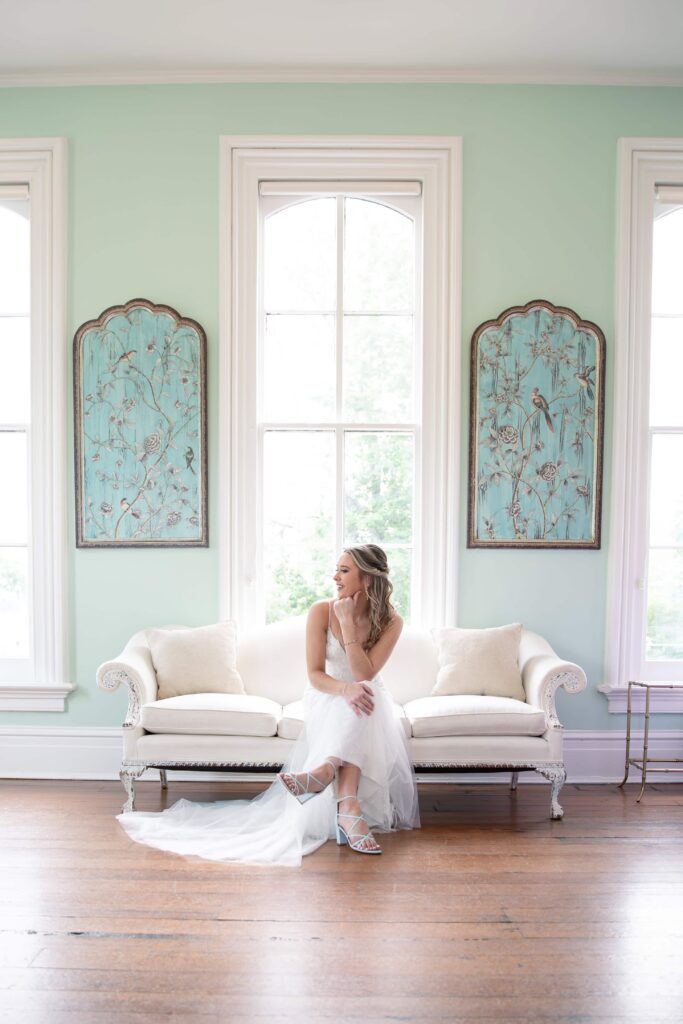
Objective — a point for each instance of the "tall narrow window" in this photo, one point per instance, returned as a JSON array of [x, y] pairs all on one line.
[[338, 411], [664, 625], [645, 620], [340, 312], [34, 662], [15, 416]]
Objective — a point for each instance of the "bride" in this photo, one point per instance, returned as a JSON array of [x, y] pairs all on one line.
[[351, 736]]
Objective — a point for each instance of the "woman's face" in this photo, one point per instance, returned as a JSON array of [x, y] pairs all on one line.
[[348, 578]]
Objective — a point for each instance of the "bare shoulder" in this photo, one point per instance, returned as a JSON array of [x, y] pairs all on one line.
[[318, 613], [396, 624]]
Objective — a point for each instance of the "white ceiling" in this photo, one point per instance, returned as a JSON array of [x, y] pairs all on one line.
[[574, 41]]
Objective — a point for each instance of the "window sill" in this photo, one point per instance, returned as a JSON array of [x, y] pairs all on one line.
[[663, 702], [34, 696]]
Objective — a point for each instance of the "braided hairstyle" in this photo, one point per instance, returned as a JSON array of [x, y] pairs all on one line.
[[372, 562]]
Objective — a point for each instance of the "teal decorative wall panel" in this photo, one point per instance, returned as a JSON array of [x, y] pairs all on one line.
[[537, 396], [140, 424]]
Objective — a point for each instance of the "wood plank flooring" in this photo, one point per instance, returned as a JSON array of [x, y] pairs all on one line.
[[490, 913]]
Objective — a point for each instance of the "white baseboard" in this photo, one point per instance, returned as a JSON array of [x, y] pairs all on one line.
[[93, 752]]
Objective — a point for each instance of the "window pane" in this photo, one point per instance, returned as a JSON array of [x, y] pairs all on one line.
[[13, 603], [379, 258], [666, 371], [299, 516], [664, 641], [378, 368], [300, 257], [15, 377], [379, 488], [299, 370], [666, 489], [15, 258], [667, 264], [14, 506]]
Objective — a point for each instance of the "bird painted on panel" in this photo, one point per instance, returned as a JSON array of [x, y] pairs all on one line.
[[585, 382], [189, 458], [542, 405], [125, 358], [124, 504]]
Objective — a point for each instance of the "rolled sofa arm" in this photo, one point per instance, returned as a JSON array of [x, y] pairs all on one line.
[[133, 667], [543, 673]]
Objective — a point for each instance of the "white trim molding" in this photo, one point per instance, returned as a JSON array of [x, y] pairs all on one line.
[[343, 74], [43, 682], [642, 164], [662, 702], [434, 162], [95, 752]]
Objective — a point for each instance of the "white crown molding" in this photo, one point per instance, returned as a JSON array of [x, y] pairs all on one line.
[[94, 752], [342, 75]]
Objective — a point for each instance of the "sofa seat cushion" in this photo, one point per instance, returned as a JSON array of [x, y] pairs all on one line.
[[222, 714], [474, 716], [292, 720]]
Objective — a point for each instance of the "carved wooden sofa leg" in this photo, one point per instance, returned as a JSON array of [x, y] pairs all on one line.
[[513, 780], [128, 775], [556, 775], [163, 779]]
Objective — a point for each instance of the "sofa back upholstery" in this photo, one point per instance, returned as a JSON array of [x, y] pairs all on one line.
[[272, 662]]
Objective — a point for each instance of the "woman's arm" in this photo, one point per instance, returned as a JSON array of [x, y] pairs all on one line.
[[366, 664], [358, 695]]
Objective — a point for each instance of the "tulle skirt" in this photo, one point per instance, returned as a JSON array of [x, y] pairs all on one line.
[[274, 828]]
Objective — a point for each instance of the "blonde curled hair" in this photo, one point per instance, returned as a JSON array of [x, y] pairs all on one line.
[[372, 562]]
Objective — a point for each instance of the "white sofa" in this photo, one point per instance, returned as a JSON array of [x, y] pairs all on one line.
[[255, 731]]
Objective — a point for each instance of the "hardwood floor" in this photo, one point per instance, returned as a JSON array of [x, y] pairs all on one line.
[[490, 913]]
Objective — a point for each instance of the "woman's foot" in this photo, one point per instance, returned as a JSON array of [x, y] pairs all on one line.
[[304, 785], [357, 832]]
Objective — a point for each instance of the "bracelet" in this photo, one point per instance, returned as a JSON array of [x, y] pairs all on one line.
[[347, 643], [345, 688]]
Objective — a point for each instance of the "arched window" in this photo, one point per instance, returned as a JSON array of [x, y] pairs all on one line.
[[338, 411], [341, 365]]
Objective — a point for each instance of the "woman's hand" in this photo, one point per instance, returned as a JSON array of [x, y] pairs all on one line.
[[360, 698], [345, 609]]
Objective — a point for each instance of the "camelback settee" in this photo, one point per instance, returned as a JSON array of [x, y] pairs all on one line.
[[254, 731]]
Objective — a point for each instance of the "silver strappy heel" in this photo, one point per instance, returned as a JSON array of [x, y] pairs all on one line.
[[353, 839], [297, 788]]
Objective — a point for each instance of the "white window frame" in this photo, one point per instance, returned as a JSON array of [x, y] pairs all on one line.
[[43, 685], [642, 165], [436, 162]]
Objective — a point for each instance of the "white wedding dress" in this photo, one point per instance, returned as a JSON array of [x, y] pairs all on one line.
[[274, 828]]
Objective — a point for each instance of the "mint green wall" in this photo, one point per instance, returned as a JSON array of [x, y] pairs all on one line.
[[539, 222]]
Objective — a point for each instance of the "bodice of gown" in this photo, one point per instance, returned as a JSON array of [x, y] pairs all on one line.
[[336, 662]]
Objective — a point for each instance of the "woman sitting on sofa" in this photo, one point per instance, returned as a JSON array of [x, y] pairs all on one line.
[[350, 734], [358, 737]]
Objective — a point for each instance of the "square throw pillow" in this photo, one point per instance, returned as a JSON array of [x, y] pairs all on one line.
[[201, 660], [483, 662]]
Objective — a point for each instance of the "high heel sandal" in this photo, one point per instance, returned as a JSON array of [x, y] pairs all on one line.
[[301, 792], [353, 839]]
